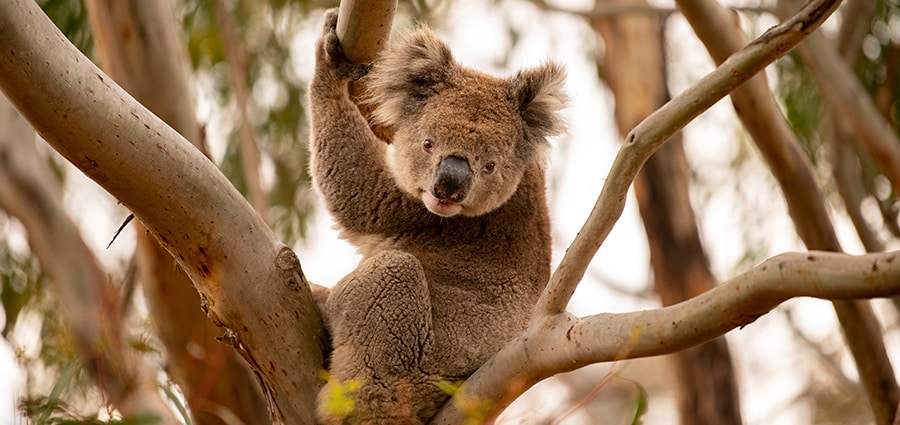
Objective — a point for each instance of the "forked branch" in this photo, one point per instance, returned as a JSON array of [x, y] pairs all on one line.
[[656, 129]]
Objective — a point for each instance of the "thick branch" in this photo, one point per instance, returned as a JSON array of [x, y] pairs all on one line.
[[90, 303], [249, 281], [651, 133], [140, 46], [562, 342]]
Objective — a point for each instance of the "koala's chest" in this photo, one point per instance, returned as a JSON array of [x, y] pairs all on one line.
[[452, 258]]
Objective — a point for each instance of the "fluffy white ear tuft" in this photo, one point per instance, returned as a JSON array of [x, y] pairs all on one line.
[[541, 96]]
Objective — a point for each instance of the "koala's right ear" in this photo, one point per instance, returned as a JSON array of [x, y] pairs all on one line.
[[405, 77]]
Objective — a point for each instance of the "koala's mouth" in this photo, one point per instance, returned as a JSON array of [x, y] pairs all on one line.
[[443, 208]]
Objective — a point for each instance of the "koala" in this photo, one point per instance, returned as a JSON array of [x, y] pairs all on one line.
[[451, 218]]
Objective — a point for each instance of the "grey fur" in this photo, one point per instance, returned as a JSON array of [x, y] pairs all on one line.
[[435, 295]]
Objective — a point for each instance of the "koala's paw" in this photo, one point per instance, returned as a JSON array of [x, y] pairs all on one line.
[[330, 56]]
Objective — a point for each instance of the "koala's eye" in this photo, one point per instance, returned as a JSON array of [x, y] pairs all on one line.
[[489, 167], [428, 145]]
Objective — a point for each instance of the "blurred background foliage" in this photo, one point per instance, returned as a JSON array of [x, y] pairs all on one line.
[[877, 67]]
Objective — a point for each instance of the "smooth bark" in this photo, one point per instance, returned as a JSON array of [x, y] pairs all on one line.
[[140, 46], [364, 28], [718, 29], [655, 130], [562, 342], [511, 371]]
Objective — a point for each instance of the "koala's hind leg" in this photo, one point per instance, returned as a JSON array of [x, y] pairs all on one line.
[[381, 324]]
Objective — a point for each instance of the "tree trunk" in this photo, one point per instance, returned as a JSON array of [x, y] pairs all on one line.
[[707, 392]]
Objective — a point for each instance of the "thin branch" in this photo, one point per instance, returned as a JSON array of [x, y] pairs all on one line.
[[656, 129], [91, 304], [719, 31], [844, 93], [562, 342], [610, 10]]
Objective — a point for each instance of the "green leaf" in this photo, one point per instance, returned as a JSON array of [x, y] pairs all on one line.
[[640, 406], [178, 405], [53, 400]]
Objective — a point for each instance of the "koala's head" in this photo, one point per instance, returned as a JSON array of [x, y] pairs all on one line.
[[462, 140]]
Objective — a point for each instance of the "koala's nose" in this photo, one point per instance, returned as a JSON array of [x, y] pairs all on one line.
[[453, 179]]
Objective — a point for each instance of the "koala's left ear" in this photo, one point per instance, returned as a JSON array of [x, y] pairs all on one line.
[[540, 96], [404, 78]]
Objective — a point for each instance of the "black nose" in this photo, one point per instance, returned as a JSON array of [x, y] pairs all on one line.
[[453, 179]]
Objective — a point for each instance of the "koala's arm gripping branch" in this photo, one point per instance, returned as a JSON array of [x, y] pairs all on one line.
[[656, 129], [348, 162]]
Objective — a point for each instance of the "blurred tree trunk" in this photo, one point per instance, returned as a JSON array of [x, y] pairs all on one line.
[[707, 392], [140, 46]]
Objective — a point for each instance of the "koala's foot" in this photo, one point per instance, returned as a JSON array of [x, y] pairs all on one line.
[[381, 323]]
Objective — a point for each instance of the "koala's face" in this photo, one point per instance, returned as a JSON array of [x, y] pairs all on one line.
[[462, 139], [465, 153]]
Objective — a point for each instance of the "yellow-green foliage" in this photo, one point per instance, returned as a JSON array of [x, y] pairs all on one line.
[[339, 401], [475, 409]]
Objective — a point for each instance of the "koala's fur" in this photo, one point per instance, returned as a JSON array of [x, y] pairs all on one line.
[[446, 279]]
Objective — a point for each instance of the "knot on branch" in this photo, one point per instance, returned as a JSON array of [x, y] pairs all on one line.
[[290, 271]]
